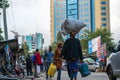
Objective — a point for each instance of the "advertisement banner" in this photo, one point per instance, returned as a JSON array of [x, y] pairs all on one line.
[[103, 50], [99, 45], [93, 45]]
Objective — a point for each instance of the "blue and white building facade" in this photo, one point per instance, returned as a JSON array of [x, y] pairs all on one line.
[[34, 41], [94, 13]]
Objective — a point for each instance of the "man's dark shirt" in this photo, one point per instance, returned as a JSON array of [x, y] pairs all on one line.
[[72, 49], [28, 62]]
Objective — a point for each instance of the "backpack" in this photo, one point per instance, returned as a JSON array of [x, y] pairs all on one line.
[[33, 58]]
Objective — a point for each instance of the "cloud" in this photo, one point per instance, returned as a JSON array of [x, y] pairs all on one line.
[[115, 28], [115, 19], [31, 16], [34, 16]]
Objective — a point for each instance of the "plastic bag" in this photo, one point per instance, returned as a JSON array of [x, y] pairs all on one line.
[[52, 70], [84, 70], [71, 25], [38, 69]]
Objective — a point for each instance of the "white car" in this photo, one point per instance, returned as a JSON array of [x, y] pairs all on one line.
[[92, 65], [113, 63]]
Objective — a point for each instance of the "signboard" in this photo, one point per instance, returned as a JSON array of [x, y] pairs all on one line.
[[103, 50], [98, 47], [93, 45]]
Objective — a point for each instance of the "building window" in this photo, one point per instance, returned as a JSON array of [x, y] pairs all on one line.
[[81, 10], [81, 5], [103, 19], [103, 8], [103, 13], [103, 2], [72, 17], [104, 24], [81, 0], [72, 6], [86, 4], [87, 20], [72, 1]]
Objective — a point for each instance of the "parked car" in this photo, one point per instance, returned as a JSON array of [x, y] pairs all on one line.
[[113, 63], [92, 64]]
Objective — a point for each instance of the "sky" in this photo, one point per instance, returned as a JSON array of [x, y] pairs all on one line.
[[31, 16]]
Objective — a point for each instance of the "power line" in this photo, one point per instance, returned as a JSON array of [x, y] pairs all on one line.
[[11, 2], [9, 18]]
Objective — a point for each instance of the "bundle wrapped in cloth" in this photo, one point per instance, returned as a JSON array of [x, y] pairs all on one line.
[[71, 25]]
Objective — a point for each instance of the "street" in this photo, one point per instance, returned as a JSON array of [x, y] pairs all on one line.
[[93, 76]]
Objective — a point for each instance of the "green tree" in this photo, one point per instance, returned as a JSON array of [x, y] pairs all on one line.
[[6, 2], [59, 37], [54, 45], [41, 51], [26, 48], [1, 37], [105, 38]]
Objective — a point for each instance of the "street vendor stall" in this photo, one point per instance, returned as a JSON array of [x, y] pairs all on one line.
[[8, 78], [7, 50], [13, 45]]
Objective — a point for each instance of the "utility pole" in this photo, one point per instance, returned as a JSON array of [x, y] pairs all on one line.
[[4, 19]]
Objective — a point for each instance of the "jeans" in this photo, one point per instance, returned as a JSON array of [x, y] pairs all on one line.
[[72, 69], [59, 74], [29, 71], [35, 72], [47, 66]]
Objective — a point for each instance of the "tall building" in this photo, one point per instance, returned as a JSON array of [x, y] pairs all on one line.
[[23, 39], [94, 13], [102, 15], [39, 41], [34, 41], [57, 16], [29, 41]]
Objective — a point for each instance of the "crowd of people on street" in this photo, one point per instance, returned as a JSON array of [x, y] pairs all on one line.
[[37, 63], [72, 55], [69, 51]]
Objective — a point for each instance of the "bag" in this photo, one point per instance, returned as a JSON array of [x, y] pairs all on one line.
[[84, 70], [33, 58], [38, 69], [70, 25], [52, 70]]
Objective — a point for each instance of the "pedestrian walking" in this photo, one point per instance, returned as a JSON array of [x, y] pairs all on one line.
[[72, 53], [44, 58], [42, 64], [48, 60], [29, 65], [58, 60], [37, 62]]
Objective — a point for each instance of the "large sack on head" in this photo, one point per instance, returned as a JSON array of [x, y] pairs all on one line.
[[70, 25]]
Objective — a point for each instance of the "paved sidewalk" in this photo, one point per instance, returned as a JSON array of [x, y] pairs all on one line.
[[64, 76], [42, 76]]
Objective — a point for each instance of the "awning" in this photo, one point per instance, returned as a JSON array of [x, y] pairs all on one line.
[[13, 45]]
